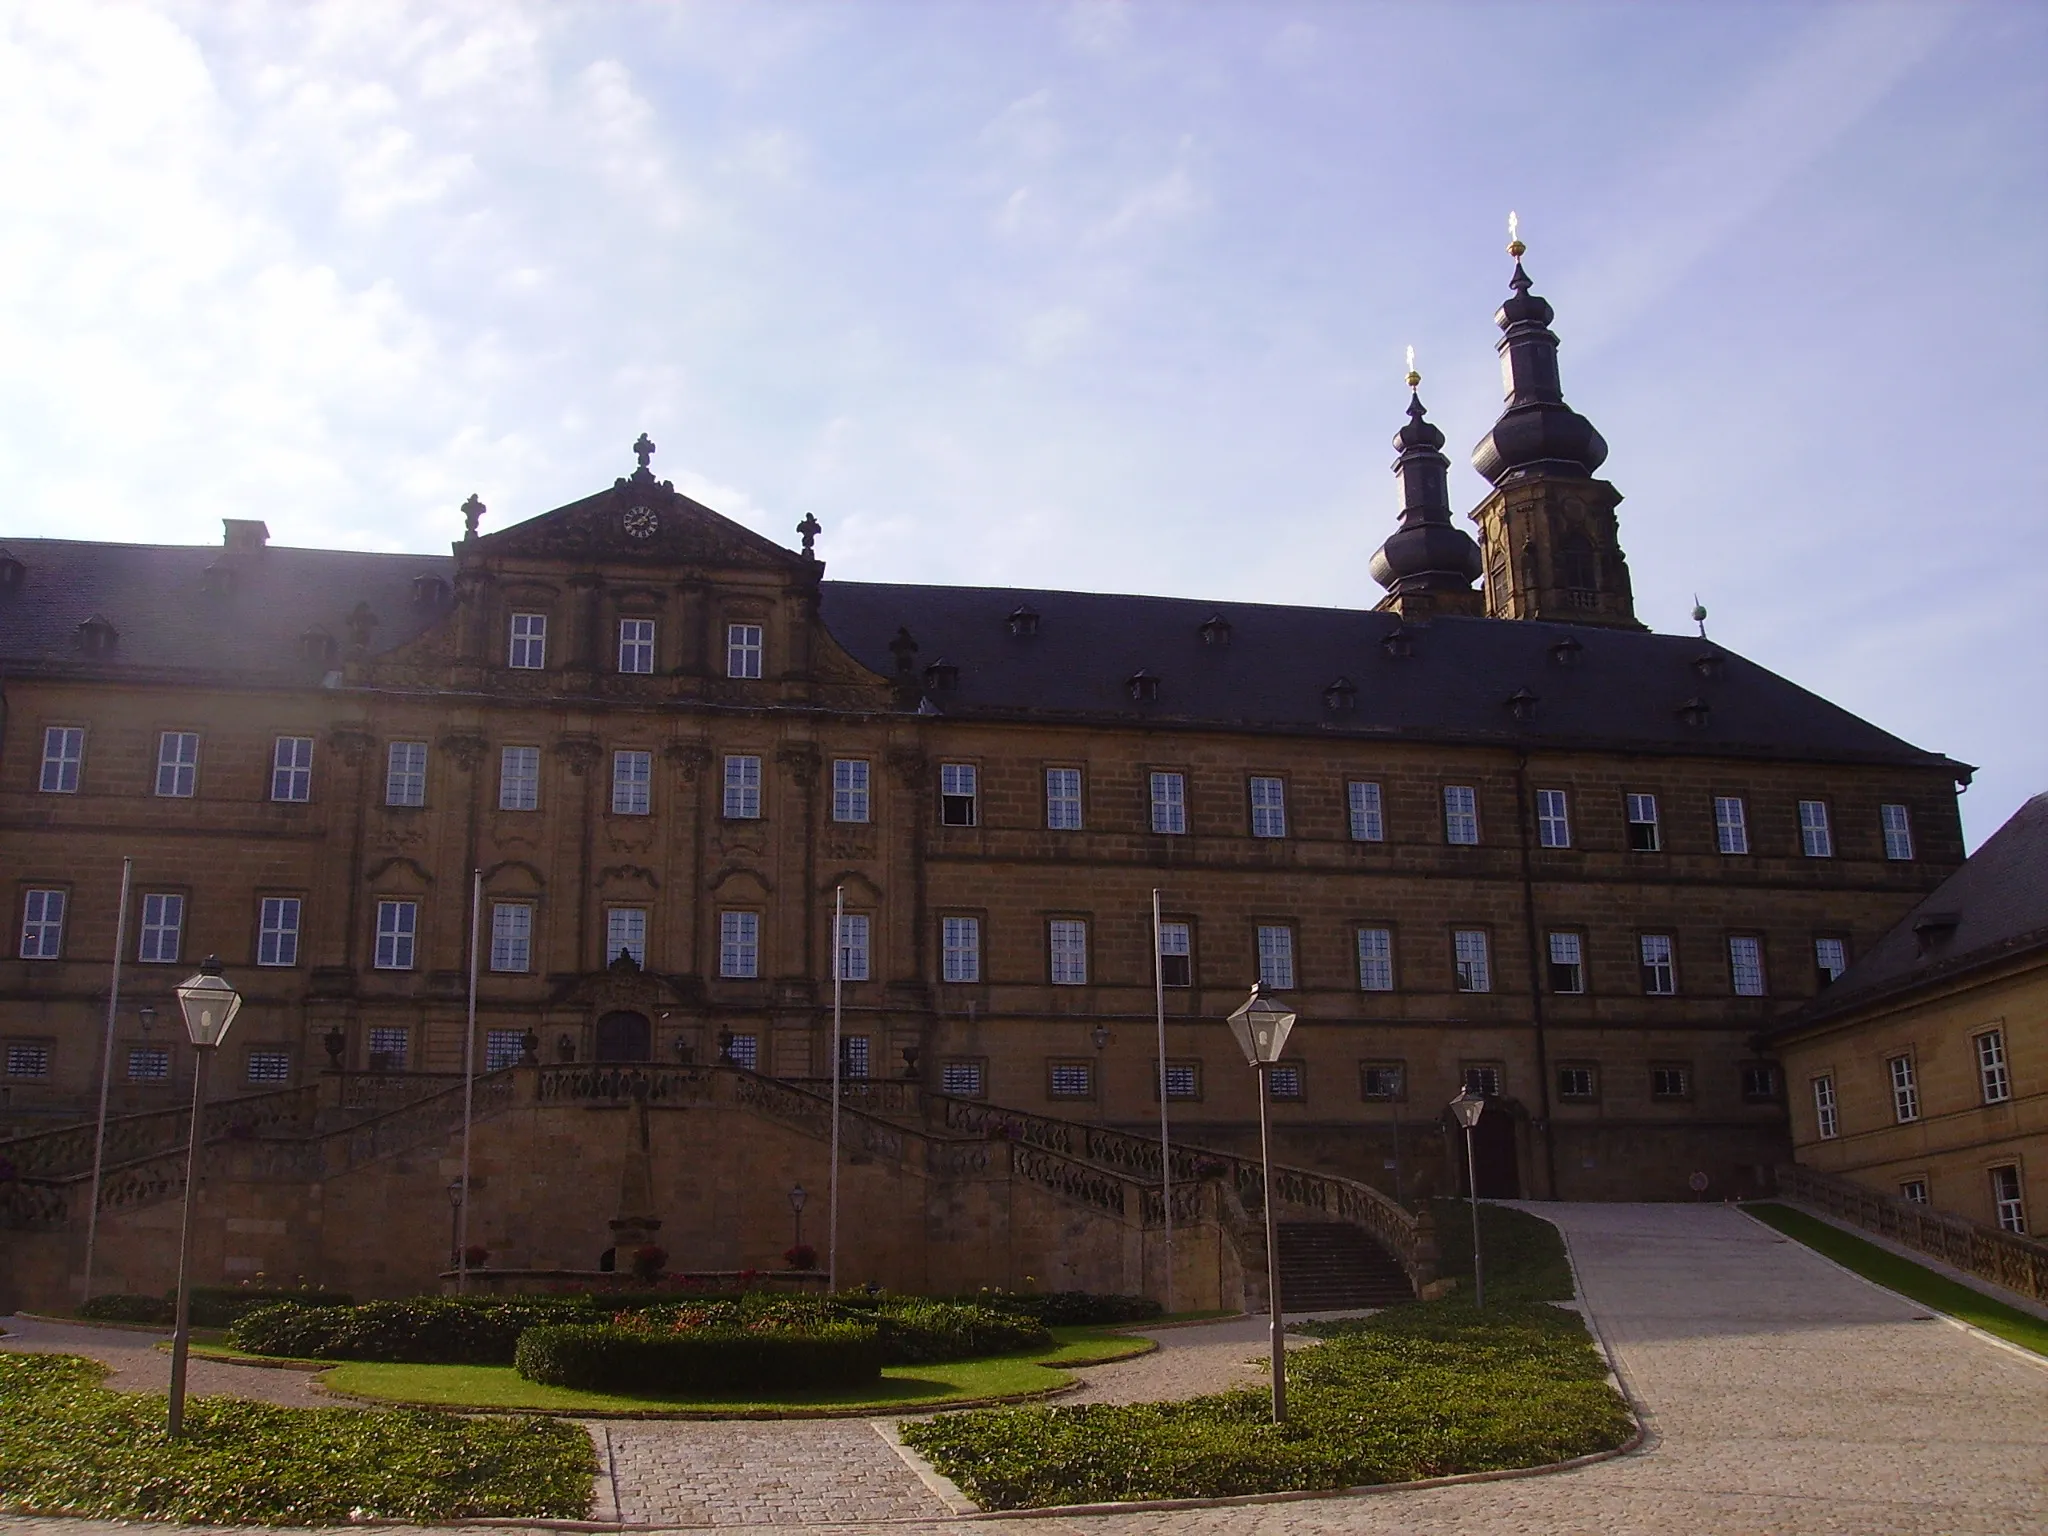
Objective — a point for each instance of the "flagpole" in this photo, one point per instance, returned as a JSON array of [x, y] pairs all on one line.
[[99, 1145], [1165, 1146], [838, 968], [476, 908]]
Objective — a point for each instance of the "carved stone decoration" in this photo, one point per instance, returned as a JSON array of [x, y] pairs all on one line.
[[801, 760], [629, 834], [578, 753], [467, 748], [638, 872], [848, 842], [912, 767], [352, 742], [412, 866], [689, 758]]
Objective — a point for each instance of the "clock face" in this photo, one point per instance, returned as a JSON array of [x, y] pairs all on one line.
[[641, 523]]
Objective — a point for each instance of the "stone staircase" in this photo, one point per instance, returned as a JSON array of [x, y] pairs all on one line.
[[1329, 1266]]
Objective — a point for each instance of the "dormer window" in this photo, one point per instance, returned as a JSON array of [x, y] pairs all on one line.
[[429, 591], [1215, 630], [1708, 664], [1521, 704], [316, 648], [942, 676], [1566, 652], [1340, 695], [1398, 642], [12, 572], [1933, 931], [97, 637], [1694, 712], [1023, 620], [220, 579], [1143, 687]]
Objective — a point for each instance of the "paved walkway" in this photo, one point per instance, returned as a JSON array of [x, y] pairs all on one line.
[[1783, 1395]]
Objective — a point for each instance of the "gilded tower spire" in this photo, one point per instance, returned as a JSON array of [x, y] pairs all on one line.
[[1426, 565]]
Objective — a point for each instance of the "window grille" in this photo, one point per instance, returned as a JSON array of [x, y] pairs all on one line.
[[28, 1058], [1071, 1080], [745, 1051], [270, 1067], [961, 1079], [503, 1048], [149, 1064], [1284, 1082], [389, 1048]]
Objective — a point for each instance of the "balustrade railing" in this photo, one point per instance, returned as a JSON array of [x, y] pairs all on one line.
[[2017, 1263], [888, 1096], [58, 1153], [390, 1090], [626, 1083]]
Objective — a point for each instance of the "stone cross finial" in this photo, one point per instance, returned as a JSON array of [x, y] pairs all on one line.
[[810, 528], [472, 513], [644, 449]]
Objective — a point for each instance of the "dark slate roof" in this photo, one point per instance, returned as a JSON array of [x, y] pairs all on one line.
[[1993, 907]]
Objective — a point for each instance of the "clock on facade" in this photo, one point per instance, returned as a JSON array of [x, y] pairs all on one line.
[[641, 522]]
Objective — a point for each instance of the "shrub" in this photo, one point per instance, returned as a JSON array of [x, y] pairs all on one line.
[[217, 1306], [426, 1330], [716, 1359], [927, 1332], [125, 1308], [1069, 1309]]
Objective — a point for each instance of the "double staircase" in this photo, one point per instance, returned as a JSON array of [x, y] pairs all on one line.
[[1329, 1266]]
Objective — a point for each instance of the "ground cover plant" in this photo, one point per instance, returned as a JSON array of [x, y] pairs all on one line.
[[70, 1446], [1524, 1255], [1899, 1274]]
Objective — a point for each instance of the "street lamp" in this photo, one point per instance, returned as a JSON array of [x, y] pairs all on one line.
[[1261, 1026], [456, 1194], [209, 1005], [797, 1197], [1468, 1107]]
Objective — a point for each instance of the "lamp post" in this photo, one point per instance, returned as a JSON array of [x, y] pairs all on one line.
[[209, 1005], [456, 1193], [1468, 1107], [1261, 1026], [1100, 1035], [797, 1197]]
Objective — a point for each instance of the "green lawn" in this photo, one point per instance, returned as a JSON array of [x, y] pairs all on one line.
[[1907, 1278], [1523, 1255]]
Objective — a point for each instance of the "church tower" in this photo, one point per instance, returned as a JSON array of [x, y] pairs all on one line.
[[1547, 531], [1427, 565]]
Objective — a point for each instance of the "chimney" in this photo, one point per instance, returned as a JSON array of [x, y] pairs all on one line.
[[244, 534]]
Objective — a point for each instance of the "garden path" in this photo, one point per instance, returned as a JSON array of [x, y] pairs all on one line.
[[137, 1365]]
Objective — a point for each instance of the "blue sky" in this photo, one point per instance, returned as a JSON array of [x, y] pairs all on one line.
[[1096, 295]]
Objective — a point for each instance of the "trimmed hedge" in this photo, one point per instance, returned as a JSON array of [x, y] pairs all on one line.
[[124, 1307], [606, 1358], [426, 1330], [1069, 1309], [212, 1306]]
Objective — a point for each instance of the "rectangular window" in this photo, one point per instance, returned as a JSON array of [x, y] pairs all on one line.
[[1746, 965], [519, 779], [960, 948], [177, 764], [1368, 824], [1830, 959], [1993, 1076], [1670, 1081], [1176, 954], [742, 650], [850, 789], [1580, 1081], [1731, 824], [28, 1058], [1759, 1082], [503, 1048], [1269, 807], [398, 924], [1063, 799], [1169, 803], [1660, 971], [962, 1079], [277, 931], [958, 805], [853, 1055], [511, 936], [739, 944], [1815, 841], [1068, 944], [1461, 814], [1905, 1089], [1913, 1191], [742, 788], [1898, 831], [1483, 1078], [636, 645], [853, 947], [269, 1067], [1070, 1079], [632, 783], [1183, 1080], [1383, 1081], [744, 1051], [1375, 959], [1567, 965], [1824, 1122], [42, 925], [63, 754], [291, 769], [149, 1064], [1468, 955], [1553, 819], [1644, 835], [405, 773], [1286, 1083], [163, 927], [1276, 957], [2007, 1201], [389, 1049], [529, 642]]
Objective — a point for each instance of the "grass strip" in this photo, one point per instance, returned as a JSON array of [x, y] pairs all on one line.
[[69, 1446], [1900, 1274]]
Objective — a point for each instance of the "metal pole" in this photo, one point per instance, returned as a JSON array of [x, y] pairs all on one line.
[[838, 1020], [99, 1144], [1277, 1323], [1472, 1199], [1399, 1198], [1165, 1147], [476, 908], [181, 1333]]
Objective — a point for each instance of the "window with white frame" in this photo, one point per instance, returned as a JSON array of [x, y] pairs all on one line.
[[1070, 1080], [959, 802], [1825, 1123], [742, 787], [962, 1079], [1286, 1083], [632, 783], [853, 947], [63, 756], [1385, 1081], [291, 769], [177, 764], [163, 929], [398, 926], [625, 933], [2007, 1201], [1067, 942], [742, 650], [1830, 959], [511, 936], [960, 948], [149, 1064], [529, 642], [739, 944], [1170, 803], [1375, 959], [1913, 1191], [405, 773], [744, 1051], [1994, 1078], [390, 1047], [1063, 799], [519, 779], [28, 1058], [636, 645], [277, 931], [1815, 840], [1553, 819], [1469, 959], [1898, 831], [854, 1056], [269, 1066], [1660, 969], [1905, 1089], [1644, 833], [42, 925], [1368, 823], [1183, 1080], [1567, 964], [1276, 956], [1746, 964], [1269, 807], [850, 789], [1176, 954], [503, 1048], [1461, 814], [1731, 824]]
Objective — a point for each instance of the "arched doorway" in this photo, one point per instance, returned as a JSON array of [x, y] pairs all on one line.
[[1493, 1154], [623, 1036]]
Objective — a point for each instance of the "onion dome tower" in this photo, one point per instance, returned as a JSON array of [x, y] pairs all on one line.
[[1548, 531], [1427, 565]]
